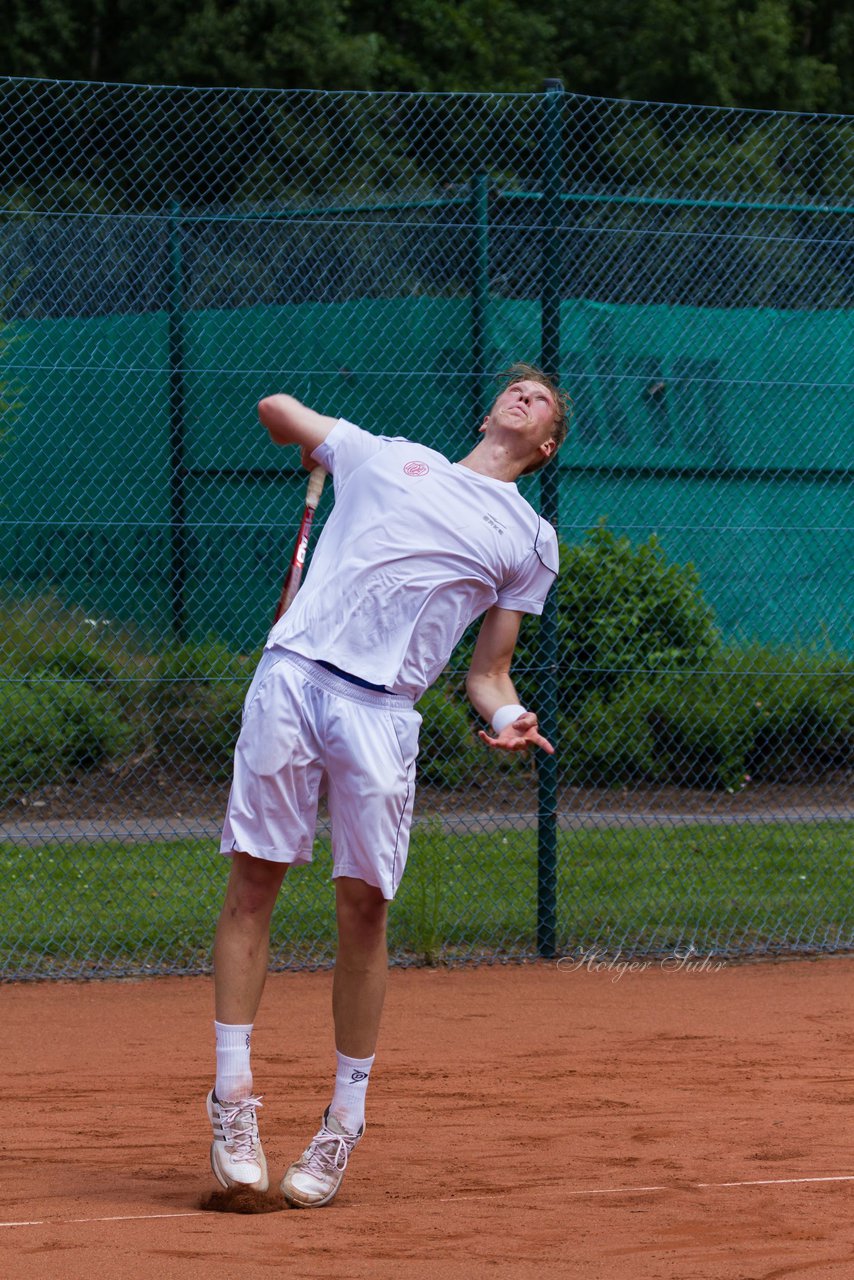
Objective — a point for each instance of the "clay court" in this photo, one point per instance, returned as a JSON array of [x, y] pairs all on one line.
[[659, 1122]]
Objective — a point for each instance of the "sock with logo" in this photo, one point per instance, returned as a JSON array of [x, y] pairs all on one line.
[[233, 1072], [351, 1085]]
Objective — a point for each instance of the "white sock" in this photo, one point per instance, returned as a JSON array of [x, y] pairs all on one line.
[[233, 1072], [351, 1085]]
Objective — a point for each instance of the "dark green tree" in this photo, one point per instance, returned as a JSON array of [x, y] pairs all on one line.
[[787, 54], [454, 45], [276, 43], [784, 54]]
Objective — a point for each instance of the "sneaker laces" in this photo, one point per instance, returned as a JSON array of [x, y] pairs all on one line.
[[318, 1159], [240, 1127]]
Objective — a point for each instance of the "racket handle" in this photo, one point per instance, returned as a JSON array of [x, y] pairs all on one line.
[[314, 488]]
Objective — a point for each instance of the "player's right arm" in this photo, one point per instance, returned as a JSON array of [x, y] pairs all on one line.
[[489, 686], [288, 421]]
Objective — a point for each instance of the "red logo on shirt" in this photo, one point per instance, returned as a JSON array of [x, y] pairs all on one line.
[[416, 469]]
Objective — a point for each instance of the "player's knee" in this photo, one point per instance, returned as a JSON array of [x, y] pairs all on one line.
[[361, 907], [254, 885]]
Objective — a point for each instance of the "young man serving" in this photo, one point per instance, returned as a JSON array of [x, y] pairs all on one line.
[[415, 549]]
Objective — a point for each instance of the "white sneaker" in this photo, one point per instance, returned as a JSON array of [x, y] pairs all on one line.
[[315, 1178], [237, 1157]]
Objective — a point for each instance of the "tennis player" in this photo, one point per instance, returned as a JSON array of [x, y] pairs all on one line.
[[414, 550]]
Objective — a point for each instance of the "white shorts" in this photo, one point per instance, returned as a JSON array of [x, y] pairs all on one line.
[[307, 732]]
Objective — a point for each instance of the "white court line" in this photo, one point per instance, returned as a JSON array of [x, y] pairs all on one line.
[[779, 1182], [125, 1217], [705, 1186], [589, 1191]]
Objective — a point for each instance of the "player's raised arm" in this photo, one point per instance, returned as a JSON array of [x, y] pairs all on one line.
[[491, 690], [288, 421]]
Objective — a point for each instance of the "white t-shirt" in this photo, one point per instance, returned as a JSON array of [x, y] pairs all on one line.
[[415, 548]]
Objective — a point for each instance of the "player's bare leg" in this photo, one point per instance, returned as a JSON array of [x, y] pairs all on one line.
[[358, 992], [241, 956], [242, 942], [361, 966]]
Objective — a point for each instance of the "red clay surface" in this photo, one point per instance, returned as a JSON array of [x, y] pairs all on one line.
[[533, 1121]]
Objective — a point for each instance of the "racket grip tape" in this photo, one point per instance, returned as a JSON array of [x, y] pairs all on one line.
[[314, 488]]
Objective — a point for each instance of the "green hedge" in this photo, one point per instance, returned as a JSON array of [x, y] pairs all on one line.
[[624, 612], [53, 727], [648, 691], [761, 715], [195, 704]]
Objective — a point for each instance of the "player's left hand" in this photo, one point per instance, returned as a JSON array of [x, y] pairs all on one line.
[[518, 736]]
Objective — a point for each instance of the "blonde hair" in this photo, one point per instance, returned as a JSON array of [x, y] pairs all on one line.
[[521, 372]]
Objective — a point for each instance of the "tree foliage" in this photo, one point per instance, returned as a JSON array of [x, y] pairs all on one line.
[[782, 54], [789, 54]]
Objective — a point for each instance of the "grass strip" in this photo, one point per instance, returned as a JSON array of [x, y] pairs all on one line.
[[92, 910]]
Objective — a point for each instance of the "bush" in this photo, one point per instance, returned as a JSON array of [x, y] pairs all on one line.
[[759, 713], [804, 704], [196, 704], [624, 612], [771, 714], [53, 727], [607, 743], [42, 631], [701, 731], [450, 755]]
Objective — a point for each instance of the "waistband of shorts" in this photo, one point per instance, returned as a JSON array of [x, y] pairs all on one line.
[[344, 688], [345, 675]]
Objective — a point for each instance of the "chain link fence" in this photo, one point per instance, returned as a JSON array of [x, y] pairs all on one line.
[[170, 255]]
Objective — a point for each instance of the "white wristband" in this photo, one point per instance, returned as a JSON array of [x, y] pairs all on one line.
[[506, 715]]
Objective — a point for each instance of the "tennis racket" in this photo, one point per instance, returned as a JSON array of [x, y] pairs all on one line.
[[313, 490]]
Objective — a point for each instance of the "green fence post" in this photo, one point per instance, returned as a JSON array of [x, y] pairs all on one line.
[[552, 162], [480, 291], [177, 424]]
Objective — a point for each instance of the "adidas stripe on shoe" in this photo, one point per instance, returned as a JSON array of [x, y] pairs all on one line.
[[237, 1157]]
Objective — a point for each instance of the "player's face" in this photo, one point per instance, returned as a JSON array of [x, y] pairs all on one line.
[[528, 409]]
